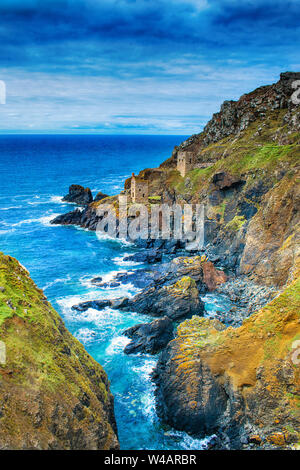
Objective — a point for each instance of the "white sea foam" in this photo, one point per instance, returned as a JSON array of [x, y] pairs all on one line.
[[104, 236], [10, 208], [3, 232], [57, 199], [45, 220], [57, 281], [120, 261], [85, 335], [117, 345], [49, 199]]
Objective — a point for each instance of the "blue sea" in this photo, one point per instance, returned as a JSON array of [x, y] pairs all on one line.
[[35, 172]]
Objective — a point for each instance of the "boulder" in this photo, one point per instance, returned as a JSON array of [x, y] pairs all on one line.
[[149, 337], [96, 304], [176, 301], [79, 195], [70, 218], [146, 256], [212, 277]]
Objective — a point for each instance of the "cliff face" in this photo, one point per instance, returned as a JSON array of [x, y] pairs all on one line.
[[247, 174], [242, 384], [53, 395], [246, 170]]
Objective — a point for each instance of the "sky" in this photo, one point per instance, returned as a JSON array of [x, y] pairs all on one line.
[[137, 66]]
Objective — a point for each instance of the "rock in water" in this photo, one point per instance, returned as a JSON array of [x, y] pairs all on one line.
[[70, 218], [149, 337], [146, 256], [177, 301], [53, 394], [79, 195]]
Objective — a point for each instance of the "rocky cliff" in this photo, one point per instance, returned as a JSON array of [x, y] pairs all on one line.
[[53, 395], [246, 173], [242, 384]]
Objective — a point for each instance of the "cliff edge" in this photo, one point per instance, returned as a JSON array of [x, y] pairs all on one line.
[[242, 384], [53, 395]]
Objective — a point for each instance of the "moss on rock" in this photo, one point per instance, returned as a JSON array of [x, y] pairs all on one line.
[[53, 394]]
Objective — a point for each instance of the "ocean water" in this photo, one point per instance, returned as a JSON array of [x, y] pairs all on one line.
[[35, 172]]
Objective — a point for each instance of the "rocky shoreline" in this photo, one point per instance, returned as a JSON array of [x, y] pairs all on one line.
[[231, 375]]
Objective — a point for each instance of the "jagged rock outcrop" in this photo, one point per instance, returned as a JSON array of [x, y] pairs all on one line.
[[149, 338], [53, 394], [79, 195], [145, 256], [70, 218], [242, 384], [177, 301]]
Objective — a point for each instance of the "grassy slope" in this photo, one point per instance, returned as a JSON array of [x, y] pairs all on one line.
[[47, 364]]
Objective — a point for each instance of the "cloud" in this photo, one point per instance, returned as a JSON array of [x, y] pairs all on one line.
[[170, 61]]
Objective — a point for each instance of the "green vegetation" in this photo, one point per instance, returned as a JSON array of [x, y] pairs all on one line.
[[236, 223], [154, 198], [45, 364], [34, 332]]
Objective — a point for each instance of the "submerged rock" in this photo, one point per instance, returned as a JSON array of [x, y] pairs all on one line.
[[79, 195], [140, 278], [149, 337], [96, 304]]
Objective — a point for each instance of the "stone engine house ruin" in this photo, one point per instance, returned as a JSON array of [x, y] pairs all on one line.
[[139, 189], [185, 162]]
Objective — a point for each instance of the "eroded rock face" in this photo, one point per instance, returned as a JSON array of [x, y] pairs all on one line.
[[79, 195], [53, 394], [149, 338], [235, 116], [177, 301], [238, 383], [272, 248], [212, 277]]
